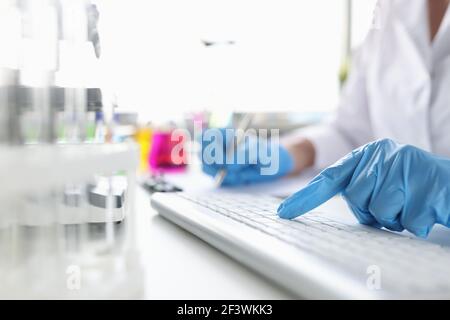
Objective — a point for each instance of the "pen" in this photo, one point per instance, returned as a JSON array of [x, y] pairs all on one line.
[[242, 126]]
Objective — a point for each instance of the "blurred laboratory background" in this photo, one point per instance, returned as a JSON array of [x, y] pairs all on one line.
[[252, 55], [90, 92]]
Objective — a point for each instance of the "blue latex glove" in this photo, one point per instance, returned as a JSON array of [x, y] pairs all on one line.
[[252, 169], [386, 185]]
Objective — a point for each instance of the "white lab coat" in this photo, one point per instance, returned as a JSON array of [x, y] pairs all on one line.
[[398, 87]]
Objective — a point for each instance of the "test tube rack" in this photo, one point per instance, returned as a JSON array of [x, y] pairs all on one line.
[[65, 231]]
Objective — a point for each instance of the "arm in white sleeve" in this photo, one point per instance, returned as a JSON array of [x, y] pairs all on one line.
[[349, 126]]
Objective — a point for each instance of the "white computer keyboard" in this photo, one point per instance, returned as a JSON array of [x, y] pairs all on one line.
[[409, 265]]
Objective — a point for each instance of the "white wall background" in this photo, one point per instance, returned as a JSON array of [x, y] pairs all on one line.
[[286, 54]]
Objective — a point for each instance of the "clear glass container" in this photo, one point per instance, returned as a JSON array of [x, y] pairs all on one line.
[[67, 214]]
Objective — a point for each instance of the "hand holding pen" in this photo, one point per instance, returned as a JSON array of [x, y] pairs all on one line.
[[232, 173]]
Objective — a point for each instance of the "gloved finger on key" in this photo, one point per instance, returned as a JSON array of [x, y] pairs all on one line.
[[323, 187]]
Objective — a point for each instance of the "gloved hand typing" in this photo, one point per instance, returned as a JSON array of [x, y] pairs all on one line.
[[385, 184], [255, 159]]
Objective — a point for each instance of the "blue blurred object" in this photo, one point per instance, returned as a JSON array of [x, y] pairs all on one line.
[[264, 160], [385, 184]]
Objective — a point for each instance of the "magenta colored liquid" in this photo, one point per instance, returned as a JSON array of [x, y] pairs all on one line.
[[160, 159]]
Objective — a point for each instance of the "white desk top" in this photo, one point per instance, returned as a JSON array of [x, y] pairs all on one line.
[[180, 266]]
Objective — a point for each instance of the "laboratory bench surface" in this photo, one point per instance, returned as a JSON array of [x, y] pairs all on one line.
[[178, 265]]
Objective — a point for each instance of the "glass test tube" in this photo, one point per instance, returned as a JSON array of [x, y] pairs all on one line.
[[39, 61]]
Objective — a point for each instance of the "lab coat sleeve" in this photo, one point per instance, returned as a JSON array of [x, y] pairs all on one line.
[[349, 126]]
